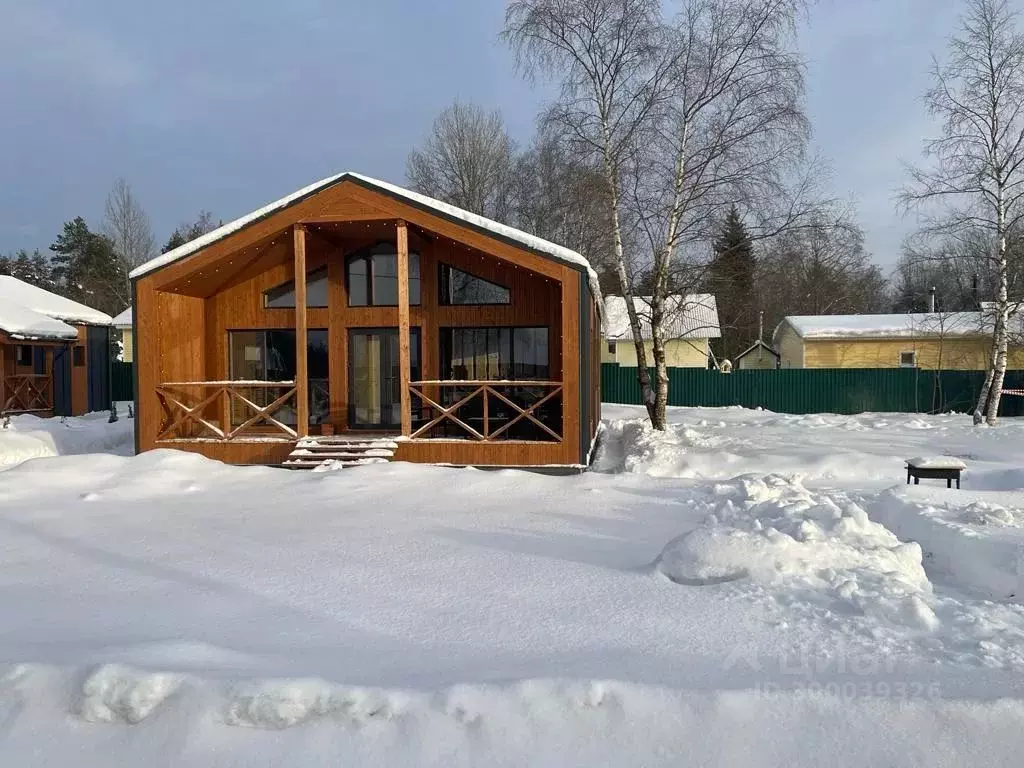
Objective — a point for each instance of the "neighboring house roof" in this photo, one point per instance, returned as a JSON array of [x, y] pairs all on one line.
[[757, 344], [15, 291], [20, 322], [694, 316], [907, 326], [493, 228], [123, 321]]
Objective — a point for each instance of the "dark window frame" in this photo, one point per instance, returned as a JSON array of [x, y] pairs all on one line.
[[23, 355], [78, 356], [288, 286], [444, 297], [262, 394], [367, 255], [611, 347], [444, 334]]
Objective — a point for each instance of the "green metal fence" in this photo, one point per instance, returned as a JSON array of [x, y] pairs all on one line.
[[828, 390], [122, 381]]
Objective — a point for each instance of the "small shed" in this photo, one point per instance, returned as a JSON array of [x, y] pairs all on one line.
[[54, 353], [758, 357]]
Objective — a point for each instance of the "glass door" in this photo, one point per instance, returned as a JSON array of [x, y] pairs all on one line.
[[374, 380]]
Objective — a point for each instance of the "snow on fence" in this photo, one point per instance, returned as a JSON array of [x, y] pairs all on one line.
[[826, 390]]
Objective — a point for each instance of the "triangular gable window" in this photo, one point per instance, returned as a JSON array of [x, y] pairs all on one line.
[[283, 296], [458, 287]]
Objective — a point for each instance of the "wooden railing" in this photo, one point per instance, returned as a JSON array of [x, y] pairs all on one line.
[[25, 393], [225, 410], [487, 410]]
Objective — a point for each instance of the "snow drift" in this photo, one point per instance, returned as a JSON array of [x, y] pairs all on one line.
[[773, 531]]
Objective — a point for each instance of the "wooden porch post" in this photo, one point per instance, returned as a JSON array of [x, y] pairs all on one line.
[[403, 326], [301, 364]]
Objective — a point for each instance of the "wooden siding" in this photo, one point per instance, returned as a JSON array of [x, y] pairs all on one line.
[[790, 347], [127, 355], [931, 354], [679, 353], [185, 311]]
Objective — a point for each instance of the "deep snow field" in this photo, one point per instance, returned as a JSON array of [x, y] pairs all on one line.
[[748, 589]]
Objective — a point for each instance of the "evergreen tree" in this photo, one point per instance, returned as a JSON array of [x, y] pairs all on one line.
[[186, 233], [731, 279], [86, 269]]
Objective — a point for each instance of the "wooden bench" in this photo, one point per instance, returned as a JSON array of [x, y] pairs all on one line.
[[935, 467]]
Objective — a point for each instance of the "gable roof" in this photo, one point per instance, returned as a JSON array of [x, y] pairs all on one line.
[[123, 320], [30, 312], [907, 326], [20, 322], [480, 223], [693, 316], [757, 344]]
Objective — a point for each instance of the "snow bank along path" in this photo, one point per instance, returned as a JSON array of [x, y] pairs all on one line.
[[32, 437], [681, 607]]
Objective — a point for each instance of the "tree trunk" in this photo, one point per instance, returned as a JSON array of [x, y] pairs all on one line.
[[642, 374], [1002, 319], [986, 387]]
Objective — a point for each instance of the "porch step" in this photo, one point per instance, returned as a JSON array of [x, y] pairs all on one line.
[[342, 450]]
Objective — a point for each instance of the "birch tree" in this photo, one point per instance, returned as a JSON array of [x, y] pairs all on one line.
[[729, 129], [606, 56], [975, 175]]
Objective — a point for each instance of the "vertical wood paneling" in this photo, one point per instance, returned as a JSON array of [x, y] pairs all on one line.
[[402, 238], [301, 347]]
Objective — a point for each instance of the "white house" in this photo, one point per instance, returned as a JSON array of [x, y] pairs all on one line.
[[691, 322]]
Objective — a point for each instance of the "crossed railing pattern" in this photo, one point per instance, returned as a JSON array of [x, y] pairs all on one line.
[[205, 409], [26, 393], [496, 407]]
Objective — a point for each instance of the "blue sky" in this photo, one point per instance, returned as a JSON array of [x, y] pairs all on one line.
[[226, 104]]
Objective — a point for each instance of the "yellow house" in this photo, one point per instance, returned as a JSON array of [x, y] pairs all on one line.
[[123, 323], [757, 357], [691, 321], [934, 340]]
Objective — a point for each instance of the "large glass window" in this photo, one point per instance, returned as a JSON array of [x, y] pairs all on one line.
[[372, 277], [458, 287], [270, 356], [494, 353], [283, 296]]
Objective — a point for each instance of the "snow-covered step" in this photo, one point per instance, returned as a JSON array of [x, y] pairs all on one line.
[[343, 450]]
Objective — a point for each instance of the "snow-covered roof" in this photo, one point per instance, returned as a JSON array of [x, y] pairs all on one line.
[[914, 325], [123, 320], [489, 226], [20, 322], [693, 316], [15, 291]]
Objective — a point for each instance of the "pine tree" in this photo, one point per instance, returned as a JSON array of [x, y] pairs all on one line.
[[86, 268], [186, 233], [731, 279]]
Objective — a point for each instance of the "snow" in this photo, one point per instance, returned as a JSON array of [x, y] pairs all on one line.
[[501, 230], [746, 589], [694, 316], [123, 320], [936, 462], [912, 325], [23, 323], [31, 437], [15, 291]]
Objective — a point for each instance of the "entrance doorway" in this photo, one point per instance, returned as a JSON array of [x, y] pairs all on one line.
[[375, 396]]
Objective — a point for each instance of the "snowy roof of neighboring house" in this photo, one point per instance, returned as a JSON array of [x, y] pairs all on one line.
[[494, 228], [754, 346], [907, 326], [15, 291], [20, 322], [694, 316], [123, 320]]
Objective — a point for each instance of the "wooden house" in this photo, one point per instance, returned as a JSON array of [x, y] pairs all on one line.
[[757, 357], [54, 353], [929, 340], [431, 335], [690, 324]]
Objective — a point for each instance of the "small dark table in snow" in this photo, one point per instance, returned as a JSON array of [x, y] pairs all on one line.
[[935, 467]]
